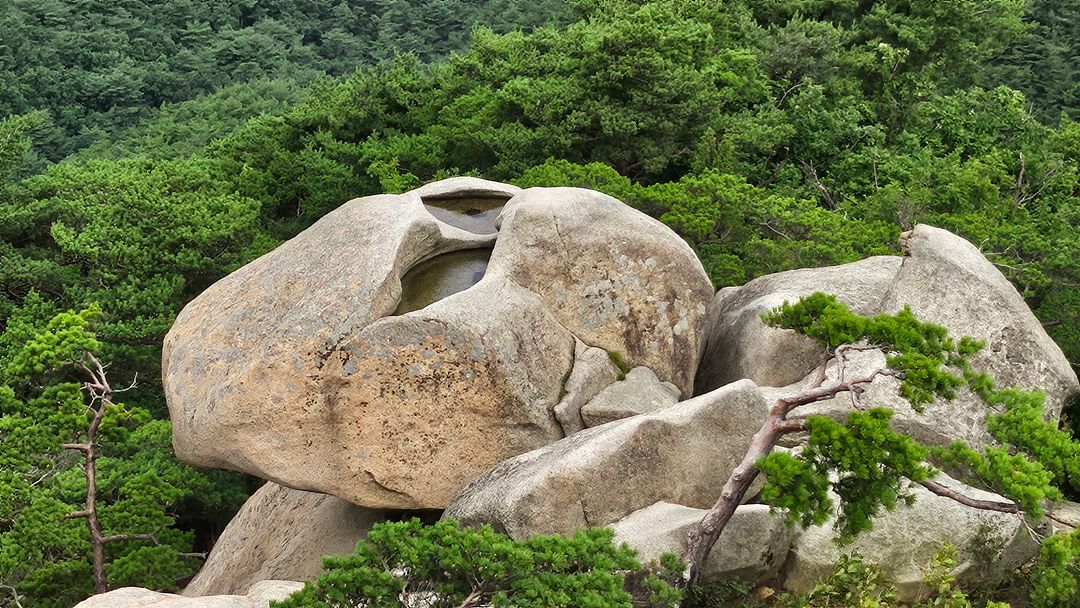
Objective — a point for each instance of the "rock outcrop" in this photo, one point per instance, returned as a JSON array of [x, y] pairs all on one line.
[[903, 543], [600, 475], [281, 534], [292, 370], [260, 596], [945, 280], [300, 368], [752, 548]]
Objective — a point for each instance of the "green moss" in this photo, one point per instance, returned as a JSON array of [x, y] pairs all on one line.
[[620, 362]]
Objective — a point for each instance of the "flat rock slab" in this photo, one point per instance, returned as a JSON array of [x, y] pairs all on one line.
[[600, 475], [281, 534], [260, 596]]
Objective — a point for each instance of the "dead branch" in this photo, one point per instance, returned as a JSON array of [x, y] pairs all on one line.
[[985, 505], [100, 394], [15, 597], [812, 175]]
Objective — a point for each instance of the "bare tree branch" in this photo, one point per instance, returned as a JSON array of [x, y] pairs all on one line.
[[985, 505]]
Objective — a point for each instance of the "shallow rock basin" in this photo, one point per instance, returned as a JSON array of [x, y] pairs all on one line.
[[441, 276], [475, 214]]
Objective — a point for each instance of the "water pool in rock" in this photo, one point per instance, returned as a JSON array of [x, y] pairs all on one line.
[[475, 214], [441, 276]]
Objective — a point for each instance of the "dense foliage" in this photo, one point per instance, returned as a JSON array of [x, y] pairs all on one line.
[[407, 564], [770, 135], [141, 488], [98, 65]]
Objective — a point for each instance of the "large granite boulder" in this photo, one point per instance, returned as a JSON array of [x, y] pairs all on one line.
[[294, 368], [945, 280], [281, 534], [600, 475], [903, 543], [752, 548], [739, 345], [260, 596]]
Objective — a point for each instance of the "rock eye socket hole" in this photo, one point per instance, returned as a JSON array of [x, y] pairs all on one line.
[[440, 277], [475, 214]]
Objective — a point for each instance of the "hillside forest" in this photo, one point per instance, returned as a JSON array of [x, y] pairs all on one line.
[[149, 148]]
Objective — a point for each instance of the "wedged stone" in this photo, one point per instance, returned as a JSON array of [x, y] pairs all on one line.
[[593, 370], [600, 475], [614, 277], [752, 547], [641, 392], [281, 534], [260, 596], [946, 280], [740, 345], [903, 543]]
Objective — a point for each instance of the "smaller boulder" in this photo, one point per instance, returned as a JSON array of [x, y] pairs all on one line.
[[281, 534], [641, 392], [739, 345], [600, 475], [752, 548], [260, 596]]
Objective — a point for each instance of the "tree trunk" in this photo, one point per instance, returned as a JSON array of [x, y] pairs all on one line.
[[702, 538]]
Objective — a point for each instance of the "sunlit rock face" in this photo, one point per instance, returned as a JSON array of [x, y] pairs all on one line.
[[342, 363]]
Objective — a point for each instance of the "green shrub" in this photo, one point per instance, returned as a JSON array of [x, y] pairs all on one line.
[[1055, 580], [403, 564]]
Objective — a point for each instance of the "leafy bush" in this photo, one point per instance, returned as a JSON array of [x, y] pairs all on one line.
[[406, 564]]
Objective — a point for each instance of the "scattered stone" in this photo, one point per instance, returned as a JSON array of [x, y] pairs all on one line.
[[641, 392]]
